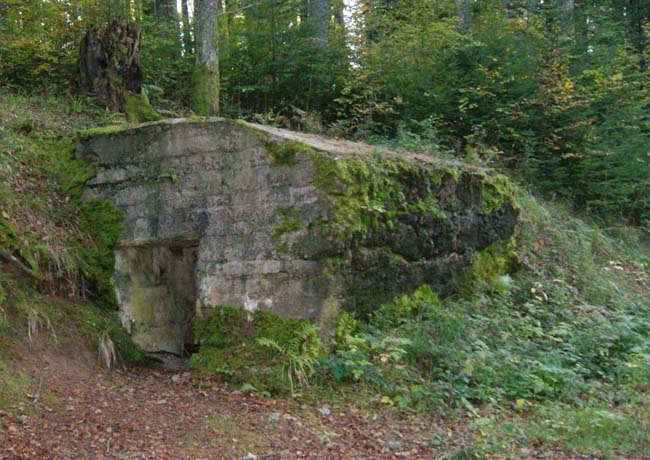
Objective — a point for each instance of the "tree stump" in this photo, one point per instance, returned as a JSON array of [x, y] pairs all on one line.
[[109, 62]]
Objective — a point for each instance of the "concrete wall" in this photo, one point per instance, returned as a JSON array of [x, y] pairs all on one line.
[[268, 231]]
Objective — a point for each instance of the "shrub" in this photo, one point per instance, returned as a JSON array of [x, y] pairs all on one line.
[[257, 348]]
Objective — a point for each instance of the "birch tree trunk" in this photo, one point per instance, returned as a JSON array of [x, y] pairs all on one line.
[[205, 80]]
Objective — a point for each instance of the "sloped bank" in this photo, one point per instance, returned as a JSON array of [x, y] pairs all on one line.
[[229, 213]]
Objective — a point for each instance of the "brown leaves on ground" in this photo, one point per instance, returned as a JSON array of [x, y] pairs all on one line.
[[146, 414]]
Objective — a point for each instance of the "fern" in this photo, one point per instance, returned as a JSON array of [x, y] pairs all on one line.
[[298, 355]]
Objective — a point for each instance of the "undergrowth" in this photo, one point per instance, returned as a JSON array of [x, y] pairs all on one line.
[[46, 230], [553, 332], [257, 349], [27, 316], [26, 313], [51, 241]]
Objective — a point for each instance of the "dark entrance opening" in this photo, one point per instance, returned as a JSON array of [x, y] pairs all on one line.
[[156, 290], [182, 287]]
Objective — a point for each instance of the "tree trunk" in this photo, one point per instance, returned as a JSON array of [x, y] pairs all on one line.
[[109, 62], [205, 80], [223, 27], [339, 13], [565, 13], [463, 11], [166, 14], [319, 18], [187, 28], [166, 9]]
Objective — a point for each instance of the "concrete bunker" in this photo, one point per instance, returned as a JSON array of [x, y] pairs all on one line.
[[229, 213]]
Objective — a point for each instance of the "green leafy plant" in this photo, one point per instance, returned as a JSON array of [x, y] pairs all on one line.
[[169, 175], [258, 348], [298, 354]]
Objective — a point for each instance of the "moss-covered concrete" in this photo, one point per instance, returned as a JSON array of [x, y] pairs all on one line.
[[489, 269], [289, 222], [139, 127], [157, 295], [302, 225], [402, 223], [281, 152], [372, 193], [496, 192]]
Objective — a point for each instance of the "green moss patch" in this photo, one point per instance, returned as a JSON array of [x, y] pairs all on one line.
[[497, 191], [14, 386], [138, 109], [204, 98], [93, 322], [289, 222], [490, 270], [281, 153], [61, 241], [103, 131], [370, 193], [285, 153], [259, 349]]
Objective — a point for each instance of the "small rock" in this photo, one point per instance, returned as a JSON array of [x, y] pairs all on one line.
[[249, 456], [325, 410], [274, 417], [69, 407], [408, 454], [395, 444], [12, 429]]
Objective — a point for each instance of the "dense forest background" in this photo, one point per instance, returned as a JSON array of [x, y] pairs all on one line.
[[556, 90]]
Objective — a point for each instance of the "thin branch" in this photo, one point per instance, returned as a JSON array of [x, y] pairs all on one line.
[[242, 8]]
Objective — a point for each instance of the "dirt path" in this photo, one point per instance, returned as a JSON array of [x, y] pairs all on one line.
[[86, 413]]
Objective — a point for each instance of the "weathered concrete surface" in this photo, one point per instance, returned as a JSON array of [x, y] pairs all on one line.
[[266, 218], [156, 290]]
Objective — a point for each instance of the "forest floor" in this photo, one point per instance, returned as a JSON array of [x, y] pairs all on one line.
[[83, 411], [86, 412]]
